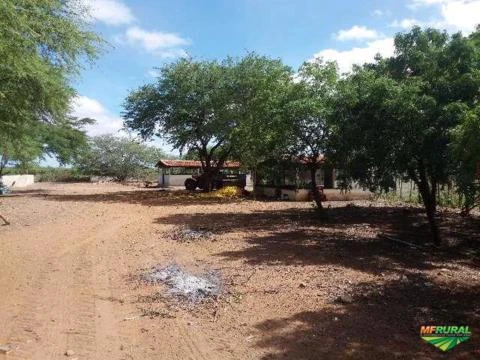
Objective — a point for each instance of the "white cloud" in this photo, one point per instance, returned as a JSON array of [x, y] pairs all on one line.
[[381, 13], [357, 33], [110, 12], [414, 4], [163, 44], [106, 122], [172, 53], [154, 73], [407, 23], [462, 15], [357, 55], [153, 40], [115, 12], [454, 15]]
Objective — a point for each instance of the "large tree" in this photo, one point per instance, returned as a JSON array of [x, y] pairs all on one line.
[[309, 116], [191, 107], [466, 145], [43, 45], [121, 158], [395, 117], [216, 110], [262, 87]]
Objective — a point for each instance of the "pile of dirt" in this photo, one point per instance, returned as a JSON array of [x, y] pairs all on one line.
[[185, 285]]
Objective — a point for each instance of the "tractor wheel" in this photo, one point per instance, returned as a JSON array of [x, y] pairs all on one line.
[[218, 184], [190, 184]]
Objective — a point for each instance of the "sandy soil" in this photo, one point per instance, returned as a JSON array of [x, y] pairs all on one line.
[[295, 286]]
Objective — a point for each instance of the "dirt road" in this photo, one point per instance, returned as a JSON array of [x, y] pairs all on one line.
[[71, 259], [64, 280]]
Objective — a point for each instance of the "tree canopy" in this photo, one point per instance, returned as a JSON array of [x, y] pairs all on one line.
[[262, 89], [396, 116], [37, 139], [208, 107], [190, 106], [43, 44], [309, 117], [118, 157]]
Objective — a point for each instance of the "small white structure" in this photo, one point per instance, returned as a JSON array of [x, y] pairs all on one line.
[[17, 181]]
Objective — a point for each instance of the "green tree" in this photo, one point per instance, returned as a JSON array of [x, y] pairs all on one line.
[[191, 106], [466, 145], [395, 117], [119, 157], [309, 115], [466, 159], [262, 85], [43, 45], [33, 141], [217, 110], [21, 151]]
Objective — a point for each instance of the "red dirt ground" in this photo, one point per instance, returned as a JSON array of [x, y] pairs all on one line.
[[296, 285]]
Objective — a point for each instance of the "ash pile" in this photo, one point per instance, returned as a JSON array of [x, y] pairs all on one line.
[[185, 285], [185, 234]]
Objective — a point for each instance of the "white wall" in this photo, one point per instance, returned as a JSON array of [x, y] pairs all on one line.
[[173, 180], [17, 181]]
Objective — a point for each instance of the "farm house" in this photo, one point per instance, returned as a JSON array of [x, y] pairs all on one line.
[[290, 179]]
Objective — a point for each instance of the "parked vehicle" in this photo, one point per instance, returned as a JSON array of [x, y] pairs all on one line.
[[223, 179]]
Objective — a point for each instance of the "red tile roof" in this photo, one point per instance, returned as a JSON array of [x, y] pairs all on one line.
[[192, 164], [305, 160]]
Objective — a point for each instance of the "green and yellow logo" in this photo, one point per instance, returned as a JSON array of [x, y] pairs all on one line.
[[445, 337]]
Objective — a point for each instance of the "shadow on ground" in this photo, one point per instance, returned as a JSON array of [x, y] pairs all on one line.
[[351, 237], [29, 192], [382, 322], [150, 197]]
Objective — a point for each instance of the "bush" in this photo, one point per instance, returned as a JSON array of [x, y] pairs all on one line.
[[227, 192]]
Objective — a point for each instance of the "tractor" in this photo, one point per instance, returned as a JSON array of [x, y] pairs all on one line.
[[219, 181]]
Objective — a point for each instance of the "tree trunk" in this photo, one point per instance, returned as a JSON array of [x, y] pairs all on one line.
[[254, 182], [316, 195], [207, 174], [433, 224], [208, 180], [429, 198], [3, 163]]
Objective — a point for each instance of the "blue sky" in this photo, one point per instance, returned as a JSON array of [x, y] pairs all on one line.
[[146, 34]]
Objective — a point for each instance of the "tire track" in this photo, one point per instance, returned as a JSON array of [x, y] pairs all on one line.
[[57, 311], [33, 320]]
